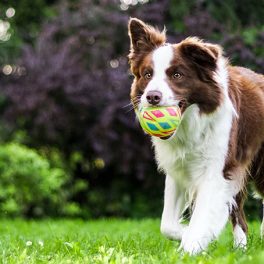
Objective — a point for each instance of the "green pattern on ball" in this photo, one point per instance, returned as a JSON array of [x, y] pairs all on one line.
[[159, 121]]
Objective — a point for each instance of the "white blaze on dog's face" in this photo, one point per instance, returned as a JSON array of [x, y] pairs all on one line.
[[172, 74], [161, 60]]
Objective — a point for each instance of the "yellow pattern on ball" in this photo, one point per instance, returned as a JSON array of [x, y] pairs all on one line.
[[159, 121]]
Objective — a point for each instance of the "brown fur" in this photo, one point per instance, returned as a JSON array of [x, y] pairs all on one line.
[[196, 62], [237, 214], [144, 39], [245, 161]]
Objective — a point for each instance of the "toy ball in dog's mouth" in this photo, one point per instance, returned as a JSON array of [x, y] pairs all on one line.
[[159, 121]]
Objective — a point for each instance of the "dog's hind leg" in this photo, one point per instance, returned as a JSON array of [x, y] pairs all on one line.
[[239, 223], [262, 224], [257, 173]]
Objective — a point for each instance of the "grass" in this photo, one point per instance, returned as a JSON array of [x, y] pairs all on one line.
[[111, 241]]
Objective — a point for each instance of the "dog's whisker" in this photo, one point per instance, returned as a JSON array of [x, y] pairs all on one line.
[[127, 105], [133, 105], [131, 109]]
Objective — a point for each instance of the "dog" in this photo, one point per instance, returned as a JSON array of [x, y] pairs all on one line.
[[218, 147]]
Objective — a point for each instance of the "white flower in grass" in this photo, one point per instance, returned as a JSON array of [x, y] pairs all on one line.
[[68, 244], [29, 243], [41, 243]]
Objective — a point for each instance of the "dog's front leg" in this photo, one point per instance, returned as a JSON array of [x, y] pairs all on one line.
[[210, 214], [173, 207]]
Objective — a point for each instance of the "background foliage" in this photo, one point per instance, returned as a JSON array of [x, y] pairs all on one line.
[[29, 185], [64, 87]]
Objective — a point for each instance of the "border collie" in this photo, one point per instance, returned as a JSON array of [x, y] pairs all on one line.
[[218, 147]]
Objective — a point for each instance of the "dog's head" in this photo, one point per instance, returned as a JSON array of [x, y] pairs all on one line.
[[172, 74]]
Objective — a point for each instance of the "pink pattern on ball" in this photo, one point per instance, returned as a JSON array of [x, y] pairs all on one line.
[[171, 111], [157, 113]]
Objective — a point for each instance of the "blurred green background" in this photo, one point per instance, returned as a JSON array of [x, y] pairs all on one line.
[[69, 145]]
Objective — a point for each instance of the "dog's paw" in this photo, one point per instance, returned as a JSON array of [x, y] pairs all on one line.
[[240, 238], [172, 232], [193, 244], [191, 247]]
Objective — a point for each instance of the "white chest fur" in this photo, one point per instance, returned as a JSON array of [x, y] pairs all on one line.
[[198, 149]]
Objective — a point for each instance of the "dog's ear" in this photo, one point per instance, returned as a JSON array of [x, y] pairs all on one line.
[[200, 53], [143, 38]]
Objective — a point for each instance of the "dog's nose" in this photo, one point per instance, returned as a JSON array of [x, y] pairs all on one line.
[[154, 97]]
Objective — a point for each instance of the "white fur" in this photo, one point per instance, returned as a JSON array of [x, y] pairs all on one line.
[[174, 202], [194, 159], [240, 238], [221, 77], [161, 60]]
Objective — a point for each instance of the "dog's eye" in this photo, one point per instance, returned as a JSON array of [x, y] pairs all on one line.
[[147, 75], [176, 75]]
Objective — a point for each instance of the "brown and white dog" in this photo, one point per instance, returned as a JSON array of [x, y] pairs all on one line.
[[219, 145]]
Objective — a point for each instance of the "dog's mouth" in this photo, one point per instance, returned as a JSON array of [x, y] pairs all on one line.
[[183, 105]]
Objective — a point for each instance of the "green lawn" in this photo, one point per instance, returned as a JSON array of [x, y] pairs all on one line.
[[111, 241]]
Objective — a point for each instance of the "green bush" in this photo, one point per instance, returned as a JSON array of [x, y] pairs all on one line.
[[29, 185]]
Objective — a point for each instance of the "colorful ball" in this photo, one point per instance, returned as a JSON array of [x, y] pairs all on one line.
[[159, 121]]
